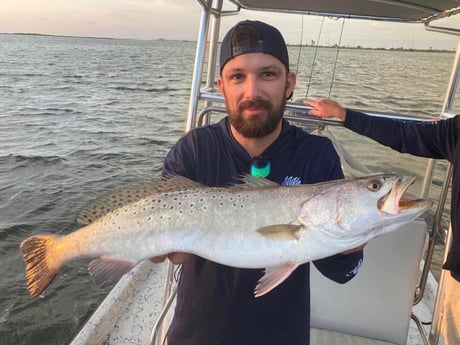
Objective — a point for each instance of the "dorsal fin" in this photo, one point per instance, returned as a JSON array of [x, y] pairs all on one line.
[[253, 181], [113, 200]]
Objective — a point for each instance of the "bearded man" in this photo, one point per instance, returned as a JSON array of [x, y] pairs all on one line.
[[216, 303]]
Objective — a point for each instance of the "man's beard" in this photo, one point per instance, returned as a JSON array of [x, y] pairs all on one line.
[[259, 125]]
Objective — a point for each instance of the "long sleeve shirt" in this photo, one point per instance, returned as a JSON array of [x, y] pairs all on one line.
[[216, 303]]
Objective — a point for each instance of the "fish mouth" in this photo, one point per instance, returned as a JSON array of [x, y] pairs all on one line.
[[397, 201]]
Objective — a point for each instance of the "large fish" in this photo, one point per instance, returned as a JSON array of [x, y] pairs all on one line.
[[255, 224]]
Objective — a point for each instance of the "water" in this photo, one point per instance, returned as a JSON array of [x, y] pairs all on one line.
[[80, 117]]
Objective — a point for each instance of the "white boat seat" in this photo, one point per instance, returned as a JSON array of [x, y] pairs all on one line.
[[322, 336], [374, 307]]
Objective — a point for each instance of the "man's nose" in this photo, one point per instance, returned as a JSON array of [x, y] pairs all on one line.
[[251, 88]]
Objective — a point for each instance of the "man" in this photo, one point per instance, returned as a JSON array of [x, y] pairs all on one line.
[[438, 140], [216, 303]]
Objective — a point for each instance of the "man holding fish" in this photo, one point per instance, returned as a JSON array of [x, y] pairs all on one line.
[[215, 303], [249, 239]]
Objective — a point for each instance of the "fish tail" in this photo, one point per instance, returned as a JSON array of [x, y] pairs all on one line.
[[41, 266]]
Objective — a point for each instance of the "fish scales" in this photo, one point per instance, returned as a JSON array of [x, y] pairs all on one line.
[[189, 220], [257, 224]]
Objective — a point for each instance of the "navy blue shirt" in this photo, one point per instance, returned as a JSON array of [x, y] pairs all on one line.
[[216, 303], [437, 139]]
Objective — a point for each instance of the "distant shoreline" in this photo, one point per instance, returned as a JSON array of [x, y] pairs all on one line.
[[50, 35], [334, 46]]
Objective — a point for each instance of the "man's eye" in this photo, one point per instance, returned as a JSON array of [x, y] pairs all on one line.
[[268, 74], [237, 77]]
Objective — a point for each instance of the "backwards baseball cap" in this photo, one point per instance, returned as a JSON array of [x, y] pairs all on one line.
[[250, 36]]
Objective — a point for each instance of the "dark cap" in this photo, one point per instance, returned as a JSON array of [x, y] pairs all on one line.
[[251, 36]]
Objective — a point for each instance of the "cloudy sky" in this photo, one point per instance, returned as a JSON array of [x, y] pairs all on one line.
[[178, 19]]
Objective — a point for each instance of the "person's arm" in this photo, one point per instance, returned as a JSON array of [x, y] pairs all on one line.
[[430, 139], [341, 267]]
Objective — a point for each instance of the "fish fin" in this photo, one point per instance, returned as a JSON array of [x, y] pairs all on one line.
[[273, 277], [280, 231], [41, 266], [108, 271], [171, 183], [112, 201]]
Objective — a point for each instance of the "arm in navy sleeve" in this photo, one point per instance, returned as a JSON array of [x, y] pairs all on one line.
[[431, 139], [340, 267], [181, 159]]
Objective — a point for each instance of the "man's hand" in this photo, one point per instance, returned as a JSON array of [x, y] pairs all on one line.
[[326, 108], [175, 258]]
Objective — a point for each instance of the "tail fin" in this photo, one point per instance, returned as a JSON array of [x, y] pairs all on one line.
[[40, 270]]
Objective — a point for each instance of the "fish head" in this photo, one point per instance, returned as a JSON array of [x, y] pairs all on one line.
[[355, 210]]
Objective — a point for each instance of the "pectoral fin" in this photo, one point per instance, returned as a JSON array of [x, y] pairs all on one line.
[[108, 271], [280, 231], [273, 277]]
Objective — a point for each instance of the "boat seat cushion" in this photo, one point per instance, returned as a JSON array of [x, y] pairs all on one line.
[[377, 303], [322, 336]]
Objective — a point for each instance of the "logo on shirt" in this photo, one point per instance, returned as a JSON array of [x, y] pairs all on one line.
[[355, 270], [291, 181]]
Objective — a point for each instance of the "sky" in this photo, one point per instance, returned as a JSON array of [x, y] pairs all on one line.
[[179, 20]]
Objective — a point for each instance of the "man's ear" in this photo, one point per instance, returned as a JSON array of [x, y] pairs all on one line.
[[220, 85], [290, 84]]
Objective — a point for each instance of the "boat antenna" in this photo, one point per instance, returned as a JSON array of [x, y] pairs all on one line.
[[314, 56], [300, 48], [336, 58]]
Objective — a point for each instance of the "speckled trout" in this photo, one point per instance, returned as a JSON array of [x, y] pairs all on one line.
[[255, 224]]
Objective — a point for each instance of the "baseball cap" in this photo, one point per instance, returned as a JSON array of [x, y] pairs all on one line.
[[252, 36]]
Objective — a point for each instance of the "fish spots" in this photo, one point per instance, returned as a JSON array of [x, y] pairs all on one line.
[[193, 203]]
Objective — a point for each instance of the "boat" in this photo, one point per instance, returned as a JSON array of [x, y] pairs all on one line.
[[394, 299]]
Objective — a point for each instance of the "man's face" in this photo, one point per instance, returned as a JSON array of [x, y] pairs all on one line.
[[255, 87]]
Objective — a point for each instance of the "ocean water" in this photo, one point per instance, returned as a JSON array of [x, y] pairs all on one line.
[[80, 117]]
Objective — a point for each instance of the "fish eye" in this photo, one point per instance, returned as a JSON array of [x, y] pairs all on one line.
[[374, 185]]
